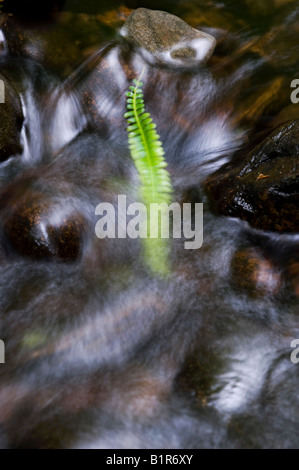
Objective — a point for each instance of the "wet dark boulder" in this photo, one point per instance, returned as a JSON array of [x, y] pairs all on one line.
[[166, 39], [11, 120], [40, 227], [263, 188]]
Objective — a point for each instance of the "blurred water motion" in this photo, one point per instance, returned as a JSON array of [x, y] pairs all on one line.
[[99, 353]]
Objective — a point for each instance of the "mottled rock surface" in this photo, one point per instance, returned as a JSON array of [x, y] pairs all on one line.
[[166, 39]]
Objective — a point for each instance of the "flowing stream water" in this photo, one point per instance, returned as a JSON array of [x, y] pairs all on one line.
[[99, 352]]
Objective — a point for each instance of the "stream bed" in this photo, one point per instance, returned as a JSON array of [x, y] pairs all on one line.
[[100, 352]]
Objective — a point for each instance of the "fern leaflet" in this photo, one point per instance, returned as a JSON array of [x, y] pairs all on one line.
[[148, 155]]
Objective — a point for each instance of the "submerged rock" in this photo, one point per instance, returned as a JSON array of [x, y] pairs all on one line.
[[263, 188], [166, 39], [293, 275], [41, 228], [11, 120], [255, 273]]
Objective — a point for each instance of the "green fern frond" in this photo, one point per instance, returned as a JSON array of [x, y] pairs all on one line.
[[148, 155], [146, 149]]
